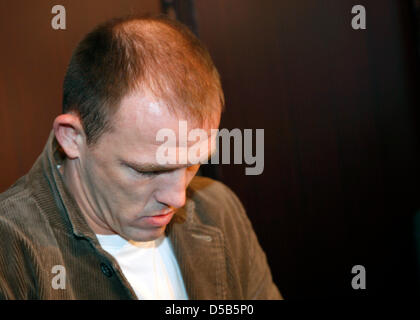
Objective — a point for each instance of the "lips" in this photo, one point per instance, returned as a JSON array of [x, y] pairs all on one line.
[[159, 220], [163, 213]]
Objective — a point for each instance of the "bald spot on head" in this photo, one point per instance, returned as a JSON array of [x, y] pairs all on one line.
[[177, 70], [153, 56]]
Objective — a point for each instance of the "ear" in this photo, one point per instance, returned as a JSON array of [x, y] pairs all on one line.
[[70, 135]]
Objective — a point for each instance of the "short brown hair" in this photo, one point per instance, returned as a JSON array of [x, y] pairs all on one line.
[[154, 54]]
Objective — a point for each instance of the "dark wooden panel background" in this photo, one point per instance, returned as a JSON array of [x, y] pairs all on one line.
[[340, 185], [33, 61], [339, 109]]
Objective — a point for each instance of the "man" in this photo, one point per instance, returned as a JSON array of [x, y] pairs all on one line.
[[98, 216]]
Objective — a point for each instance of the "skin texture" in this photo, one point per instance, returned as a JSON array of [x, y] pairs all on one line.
[[114, 197]]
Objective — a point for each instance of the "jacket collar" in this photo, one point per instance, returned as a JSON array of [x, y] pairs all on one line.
[[51, 158]]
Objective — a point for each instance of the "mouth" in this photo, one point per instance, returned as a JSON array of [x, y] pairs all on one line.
[[160, 219]]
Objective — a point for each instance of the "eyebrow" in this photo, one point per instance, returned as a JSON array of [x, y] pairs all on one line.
[[148, 167]]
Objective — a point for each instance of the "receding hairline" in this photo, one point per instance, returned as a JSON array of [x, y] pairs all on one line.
[[144, 98], [154, 30], [147, 53], [146, 26]]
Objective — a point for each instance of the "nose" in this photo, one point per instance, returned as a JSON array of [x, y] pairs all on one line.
[[173, 189]]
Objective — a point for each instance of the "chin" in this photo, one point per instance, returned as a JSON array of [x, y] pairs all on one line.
[[146, 234]]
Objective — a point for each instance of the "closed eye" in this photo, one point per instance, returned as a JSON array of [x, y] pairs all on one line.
[[152, 170], [144, 173], [149, 173]]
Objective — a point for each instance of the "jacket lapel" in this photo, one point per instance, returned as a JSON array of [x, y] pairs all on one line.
[[200, 252]]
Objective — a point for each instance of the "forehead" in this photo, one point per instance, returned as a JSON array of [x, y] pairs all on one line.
[[140, 117]]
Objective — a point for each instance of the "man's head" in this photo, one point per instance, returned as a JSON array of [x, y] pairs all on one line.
[[157, 56], [127, 79]]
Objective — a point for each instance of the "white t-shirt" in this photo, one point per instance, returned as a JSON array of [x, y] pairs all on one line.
[[150, 267]]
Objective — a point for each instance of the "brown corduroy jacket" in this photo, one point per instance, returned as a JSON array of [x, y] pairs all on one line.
[[42, 227]]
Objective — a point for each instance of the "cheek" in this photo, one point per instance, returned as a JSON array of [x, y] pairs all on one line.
[[105, 183], [120, 188], [102, 177], [134, 190]]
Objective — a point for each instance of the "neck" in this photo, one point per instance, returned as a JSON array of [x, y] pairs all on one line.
[[70, 170]]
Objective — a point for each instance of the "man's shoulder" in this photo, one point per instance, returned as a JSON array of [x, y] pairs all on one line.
[[15, 196], [211, 193], [215, 203], [18, 206], [203, 186]]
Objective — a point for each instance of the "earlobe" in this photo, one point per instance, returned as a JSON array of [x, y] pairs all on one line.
[[69, 134]]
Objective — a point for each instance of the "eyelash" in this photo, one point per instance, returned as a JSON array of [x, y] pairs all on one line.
[[150, 173], [147, 174]]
